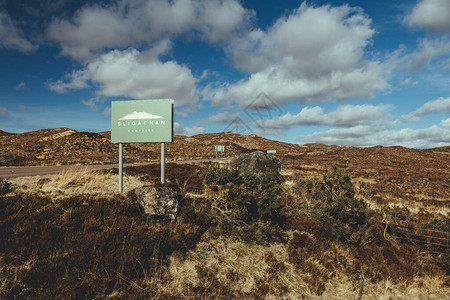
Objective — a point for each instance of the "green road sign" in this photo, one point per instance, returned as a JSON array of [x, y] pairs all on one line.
[[219, 148], [142, 121]]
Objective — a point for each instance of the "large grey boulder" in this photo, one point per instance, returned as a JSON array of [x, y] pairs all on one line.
[[259, 162], [159, 201]]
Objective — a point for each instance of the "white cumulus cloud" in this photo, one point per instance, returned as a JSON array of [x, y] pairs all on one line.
[[222, 118], [77, 80], [446, 123], [436, 106], [311, 54], [125, 23], [92, 103], [433, 15], [427, 51], [343, 116], [430, 137], [135, 74]]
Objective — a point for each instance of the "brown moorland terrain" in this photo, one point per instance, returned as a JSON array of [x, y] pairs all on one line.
[[415, 178], [327, 230]]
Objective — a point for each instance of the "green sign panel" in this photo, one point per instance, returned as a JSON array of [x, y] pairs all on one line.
[[142, 121]]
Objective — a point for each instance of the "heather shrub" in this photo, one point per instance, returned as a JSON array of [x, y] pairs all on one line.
[[87, 247], [398, 215], [336, 232], [331, 201], [244, 202], [338, 185], [442, 224], [5, 187]]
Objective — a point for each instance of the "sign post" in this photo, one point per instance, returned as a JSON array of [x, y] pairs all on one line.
[[219, 148], [141, 121], [120, 168], [163, 158]]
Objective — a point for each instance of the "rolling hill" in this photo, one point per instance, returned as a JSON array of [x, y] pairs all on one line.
[[418, 178]]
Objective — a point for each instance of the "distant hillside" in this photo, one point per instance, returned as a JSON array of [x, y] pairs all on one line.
[[67, 146], [55, 146], [4, 133], [403, 175]]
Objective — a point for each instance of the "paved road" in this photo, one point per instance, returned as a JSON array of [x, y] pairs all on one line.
[[10, 172]]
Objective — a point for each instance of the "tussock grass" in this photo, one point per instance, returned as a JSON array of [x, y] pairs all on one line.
[[342, 288], [224, 267], [75, 181], [239, 268]]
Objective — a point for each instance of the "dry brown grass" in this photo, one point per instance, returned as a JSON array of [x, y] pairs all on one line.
[[246, 269], [76, 181], [342, 288], [438, 211], [265, 272]]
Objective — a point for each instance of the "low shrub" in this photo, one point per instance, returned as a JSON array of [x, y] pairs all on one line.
[[246, 202], [332, 201], [398, 215], [338, 185], [5, 187], [442, 224]]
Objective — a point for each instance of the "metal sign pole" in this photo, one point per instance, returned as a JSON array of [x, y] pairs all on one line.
[[120, 168], [162, 162]]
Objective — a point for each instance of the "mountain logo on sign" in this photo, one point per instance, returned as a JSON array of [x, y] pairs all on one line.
[[141, 116]]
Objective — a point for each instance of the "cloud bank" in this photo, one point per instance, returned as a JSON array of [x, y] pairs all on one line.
[[125, 23], [433, 136], [188, 131], [343, 116], [313, 54], [436, 106]]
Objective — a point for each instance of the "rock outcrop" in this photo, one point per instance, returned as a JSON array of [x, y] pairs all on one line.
[[159, 201], [259, 162]]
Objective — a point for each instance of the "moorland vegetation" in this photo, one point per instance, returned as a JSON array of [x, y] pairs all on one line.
[[237, 235]]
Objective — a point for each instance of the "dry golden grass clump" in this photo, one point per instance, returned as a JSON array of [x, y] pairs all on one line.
[[234, 268], [75, 181], [226, 268]]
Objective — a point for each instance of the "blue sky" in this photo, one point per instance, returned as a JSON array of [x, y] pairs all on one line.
[[357, 73]]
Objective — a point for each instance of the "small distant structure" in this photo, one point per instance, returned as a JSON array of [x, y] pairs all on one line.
[[220, 149], [271, 151]]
